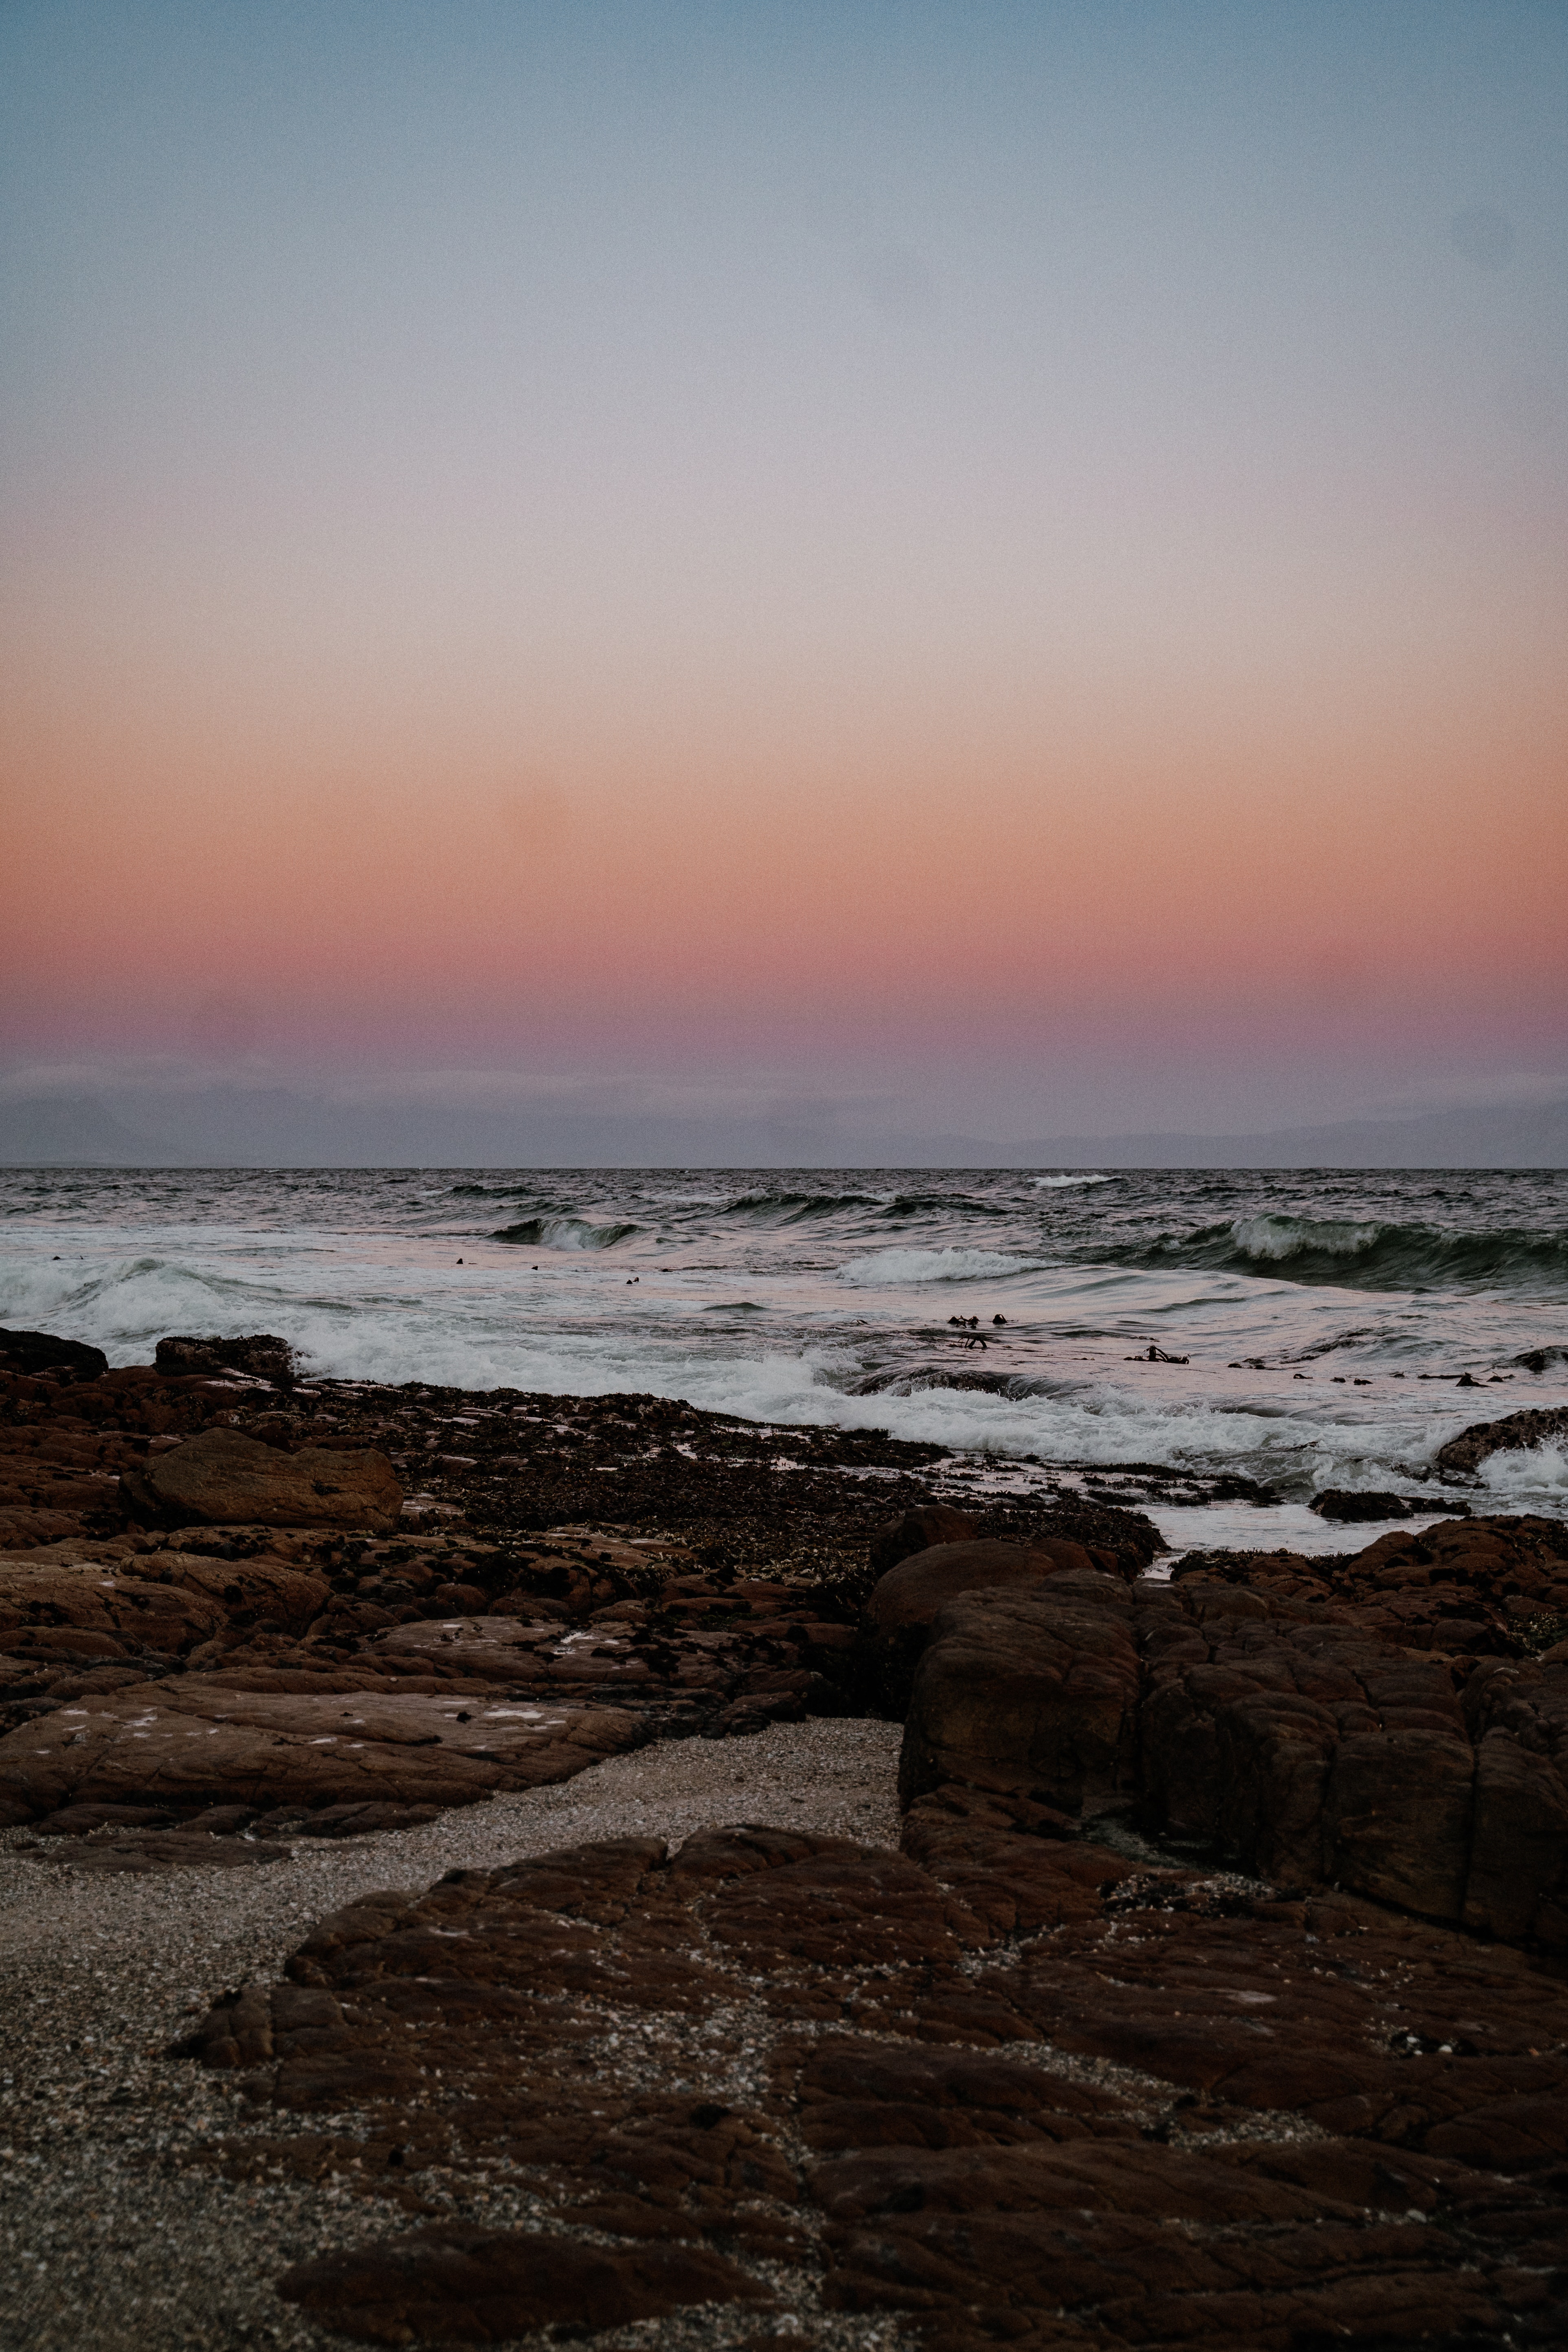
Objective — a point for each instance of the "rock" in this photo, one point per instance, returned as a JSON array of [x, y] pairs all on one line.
[[460, 2285], [1518, 1883], [1154, 2110], [226, 1479], [193, 1742], [917, 1530], [41, 1351], [911, 1593], [53, 1601], [1463, 1454], [145, 1853], [1541, 1360], [1033, 1687], [898, 1614], [260, 1355], [1461, 1586], [1307, 1751], [1344, 1503]]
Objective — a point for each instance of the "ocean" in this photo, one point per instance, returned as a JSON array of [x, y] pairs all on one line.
[[1324, 1318]]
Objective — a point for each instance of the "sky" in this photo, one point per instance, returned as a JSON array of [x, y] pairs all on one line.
[[982, 567]]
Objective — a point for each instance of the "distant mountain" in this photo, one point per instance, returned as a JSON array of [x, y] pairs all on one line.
[[1495, 1137], [234, 1127], [72, 1132]]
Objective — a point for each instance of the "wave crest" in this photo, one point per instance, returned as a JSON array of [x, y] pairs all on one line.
[[771, 1208], [1365, 1256], [889, 1265], [566, 1234]]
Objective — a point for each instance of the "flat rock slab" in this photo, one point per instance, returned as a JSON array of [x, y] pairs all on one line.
[[192, 1742], [55, 1602], [514, 1649], [153, 1853], [469, 2285], [222, 1477], [1005, 2088]]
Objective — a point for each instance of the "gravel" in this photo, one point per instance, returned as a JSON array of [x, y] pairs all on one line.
[[111, 2237]]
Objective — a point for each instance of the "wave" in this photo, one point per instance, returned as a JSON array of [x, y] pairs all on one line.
[[771, 1208], [1529, 1475], [1059, 1183], [566, 1234], [878, 1266], [1363, 1255], [938, 1204]]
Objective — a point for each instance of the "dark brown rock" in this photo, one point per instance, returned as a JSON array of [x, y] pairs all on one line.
[[40, 1351], [191, 1743], [454, 2284], [1353, 1503], [259, 1355], [918, 1531], [1321, 2123], [1463, 1454], [1033, 1688], [911, 1593], [898, 1614], [223, 1479]]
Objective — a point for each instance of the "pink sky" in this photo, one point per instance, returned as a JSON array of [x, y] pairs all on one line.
[[1075, 627]]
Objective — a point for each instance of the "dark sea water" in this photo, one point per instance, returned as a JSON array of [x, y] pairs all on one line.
[[1325, 1316]]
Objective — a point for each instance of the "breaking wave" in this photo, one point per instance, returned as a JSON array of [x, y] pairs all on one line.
[[771, 1208], [566, 1234], [1365, 1255], [878, 1266]]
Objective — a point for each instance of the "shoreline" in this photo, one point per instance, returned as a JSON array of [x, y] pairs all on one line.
[[697, 1921]]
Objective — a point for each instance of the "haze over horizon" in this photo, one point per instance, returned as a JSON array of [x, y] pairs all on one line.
[[915, 570]]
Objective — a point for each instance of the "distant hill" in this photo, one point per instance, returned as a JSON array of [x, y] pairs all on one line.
[[233, 1127], [1496, 1138]]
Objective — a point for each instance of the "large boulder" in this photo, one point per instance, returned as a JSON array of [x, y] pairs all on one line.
[[899, 1615], [1518, 1884], [1307, 1749], [1187, 2115], [223, 1479], [259, 1355], [1462, 1456], [916, 1530], [912, 1594], [41, 1351], [1030, 1688]]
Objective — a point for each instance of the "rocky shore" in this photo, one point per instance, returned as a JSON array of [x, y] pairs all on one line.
[[510, 1870]]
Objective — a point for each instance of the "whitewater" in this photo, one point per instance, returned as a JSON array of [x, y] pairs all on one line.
[[1325, 1318]]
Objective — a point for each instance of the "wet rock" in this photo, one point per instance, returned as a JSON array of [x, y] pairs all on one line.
[[40, 1351], [259, 1355], [1032, 1688], [1463, 1455], [454, 2284], [1351, 1505], [917, 1530], [898, 1619], [223, 1477], [1178, 2111], [192, 1742]]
